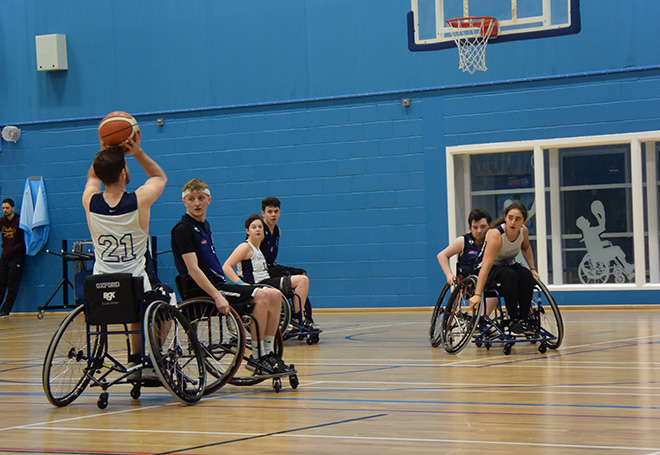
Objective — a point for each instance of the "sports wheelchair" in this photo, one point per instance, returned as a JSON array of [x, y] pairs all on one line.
[[293, 328], [453, 323], [83, 352], [226, 341]]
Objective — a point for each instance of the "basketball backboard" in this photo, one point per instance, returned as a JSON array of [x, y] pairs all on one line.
[[517, 20]]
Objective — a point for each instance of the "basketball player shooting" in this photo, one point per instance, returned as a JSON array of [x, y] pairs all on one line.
[[118, 221]]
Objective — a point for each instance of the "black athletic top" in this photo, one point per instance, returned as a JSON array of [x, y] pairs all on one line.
[[188, 236], [270, 244], [470, 259]]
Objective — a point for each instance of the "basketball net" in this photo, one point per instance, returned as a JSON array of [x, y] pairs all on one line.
[[471, 37]]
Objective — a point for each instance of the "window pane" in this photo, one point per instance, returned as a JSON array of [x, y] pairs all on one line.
[[596, 215], [502, 171], [499, 178]]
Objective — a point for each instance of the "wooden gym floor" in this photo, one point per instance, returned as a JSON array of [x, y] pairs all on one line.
[[372, 386]]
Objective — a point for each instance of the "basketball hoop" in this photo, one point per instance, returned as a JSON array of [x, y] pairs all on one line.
[[471, 35]]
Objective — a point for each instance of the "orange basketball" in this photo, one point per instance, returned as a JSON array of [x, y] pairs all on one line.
[[117, 127]]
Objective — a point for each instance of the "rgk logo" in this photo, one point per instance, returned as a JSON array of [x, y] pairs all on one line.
[[109, 296]]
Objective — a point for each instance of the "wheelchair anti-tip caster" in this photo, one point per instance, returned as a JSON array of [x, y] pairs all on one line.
[[277, 384], [293, 380], [136, 392], [102, 403]]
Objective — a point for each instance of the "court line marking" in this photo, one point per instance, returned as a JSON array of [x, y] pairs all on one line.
[[463, 413], [99, 414], [450, 362], [490, 390], [287, 434], [237, 394], [548, 389], [444, 402], [276, 433]]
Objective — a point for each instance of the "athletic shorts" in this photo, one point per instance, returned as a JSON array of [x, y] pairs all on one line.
[[274, 282], [277, 270], [239, 296], [281, 283]]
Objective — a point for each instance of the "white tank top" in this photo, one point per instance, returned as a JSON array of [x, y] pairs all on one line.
[[120, 244], [509, 250], [255, 269]]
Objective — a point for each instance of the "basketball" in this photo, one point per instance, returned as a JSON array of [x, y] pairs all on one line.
[[117, 127]]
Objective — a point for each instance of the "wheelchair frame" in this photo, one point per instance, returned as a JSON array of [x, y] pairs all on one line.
[[80, 354], [293, 328], [458, 323], [223, 356]]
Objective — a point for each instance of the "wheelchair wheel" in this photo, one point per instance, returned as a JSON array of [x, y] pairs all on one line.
[[285, 315], [65, 370], [175, 352], [435, 331], [221, 337], [547, 315], [458, 320], [249, 378]]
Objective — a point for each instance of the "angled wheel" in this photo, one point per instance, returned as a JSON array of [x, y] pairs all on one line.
[[458, 320], [175, 352], [285, 315], [546, 314], [64, 374], [435, 332], [221, 337], [245, 376]]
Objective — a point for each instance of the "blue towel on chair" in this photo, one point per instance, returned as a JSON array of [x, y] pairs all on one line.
[[34, 215]]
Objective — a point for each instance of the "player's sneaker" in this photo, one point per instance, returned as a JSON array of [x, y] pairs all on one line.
[[275, 363], [517, 328]]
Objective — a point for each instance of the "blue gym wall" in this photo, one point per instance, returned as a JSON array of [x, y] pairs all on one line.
[[302, 100]]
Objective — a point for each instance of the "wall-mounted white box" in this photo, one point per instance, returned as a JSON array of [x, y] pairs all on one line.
[[51, 52]]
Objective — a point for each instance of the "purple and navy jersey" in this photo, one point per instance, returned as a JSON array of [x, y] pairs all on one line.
[[470, 259], [191, 236]]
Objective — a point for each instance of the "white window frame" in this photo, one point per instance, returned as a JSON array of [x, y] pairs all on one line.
[[634, 140]]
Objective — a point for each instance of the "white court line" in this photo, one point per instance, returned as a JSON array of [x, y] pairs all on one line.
[[622, 340], [108, 413], [354, 438], [71, 419], [490, 391], [468, 384], [528, 365], [17, 336], [512, 364]]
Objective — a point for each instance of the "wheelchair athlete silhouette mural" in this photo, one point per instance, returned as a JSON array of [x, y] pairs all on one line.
[[602, 259]]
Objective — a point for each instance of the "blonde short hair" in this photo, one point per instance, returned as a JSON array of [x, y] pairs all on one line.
[[195, 186]]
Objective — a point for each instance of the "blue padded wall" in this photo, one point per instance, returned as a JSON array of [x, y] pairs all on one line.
[[302, 100]]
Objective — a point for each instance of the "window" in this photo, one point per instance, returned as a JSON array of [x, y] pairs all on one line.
[[594, 200]]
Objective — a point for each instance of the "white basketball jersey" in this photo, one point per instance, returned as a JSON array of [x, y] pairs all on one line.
[[255, 269], [120, 244]]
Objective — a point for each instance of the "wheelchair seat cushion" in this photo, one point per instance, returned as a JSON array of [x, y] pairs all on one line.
[[113, 298], [187, 287]]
